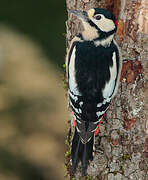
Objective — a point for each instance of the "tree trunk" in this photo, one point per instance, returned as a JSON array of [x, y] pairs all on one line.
[[122, 143]]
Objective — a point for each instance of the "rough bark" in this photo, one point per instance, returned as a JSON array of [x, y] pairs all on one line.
[[122, 144]]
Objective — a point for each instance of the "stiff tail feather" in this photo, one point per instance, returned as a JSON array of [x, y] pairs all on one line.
[[81, 152]]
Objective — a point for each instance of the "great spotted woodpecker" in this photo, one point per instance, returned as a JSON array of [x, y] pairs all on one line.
[[93, 66]]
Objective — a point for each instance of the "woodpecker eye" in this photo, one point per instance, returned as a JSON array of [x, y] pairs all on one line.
[[98, 17]]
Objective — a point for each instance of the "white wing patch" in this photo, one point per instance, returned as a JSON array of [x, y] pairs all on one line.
[[81, 103], [99, 104], [107, 100], [71, 70], [100, 113], [109, 87]]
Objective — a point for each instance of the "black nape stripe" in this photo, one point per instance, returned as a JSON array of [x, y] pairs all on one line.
[[104, 35], [93, 24]]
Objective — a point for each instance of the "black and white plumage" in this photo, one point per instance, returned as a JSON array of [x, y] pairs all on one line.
[[93, 70]]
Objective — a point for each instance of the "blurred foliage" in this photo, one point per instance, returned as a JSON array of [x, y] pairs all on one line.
[[43, 20], [33, 111], [32, 105]]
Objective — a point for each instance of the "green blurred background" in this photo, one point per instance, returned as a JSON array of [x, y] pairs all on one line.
[[44, 21], [33, 108]]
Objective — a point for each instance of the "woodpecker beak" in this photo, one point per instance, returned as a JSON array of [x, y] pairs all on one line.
[[82, 15]]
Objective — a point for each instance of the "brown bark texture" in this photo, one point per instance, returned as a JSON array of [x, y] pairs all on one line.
[[122, 144]]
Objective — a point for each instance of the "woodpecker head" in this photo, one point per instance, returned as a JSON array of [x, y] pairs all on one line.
[[97, 22]]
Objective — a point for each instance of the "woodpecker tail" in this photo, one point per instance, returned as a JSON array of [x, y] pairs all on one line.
[[81, 152]]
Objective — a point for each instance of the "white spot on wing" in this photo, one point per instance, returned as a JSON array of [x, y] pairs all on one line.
[[81, 103], [80, 111], [107, 100], [100, 113], [99, 104]]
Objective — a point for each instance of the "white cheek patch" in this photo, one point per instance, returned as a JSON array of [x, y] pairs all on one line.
[[105, 24]]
